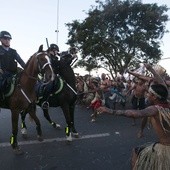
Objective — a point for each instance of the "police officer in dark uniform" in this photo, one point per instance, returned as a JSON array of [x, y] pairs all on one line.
[[8, 60], [53, 51], [69, 55]]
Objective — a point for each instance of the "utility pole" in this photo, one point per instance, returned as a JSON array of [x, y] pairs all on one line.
[[57, 30]]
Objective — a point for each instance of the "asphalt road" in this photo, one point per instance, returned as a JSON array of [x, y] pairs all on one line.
[[105, 144]]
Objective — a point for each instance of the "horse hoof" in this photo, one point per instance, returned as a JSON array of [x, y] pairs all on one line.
[[93, 120], [76, 135], [40, 138], [69, 138], [55, 125], [24, 133], [58, 126], [18, 151]]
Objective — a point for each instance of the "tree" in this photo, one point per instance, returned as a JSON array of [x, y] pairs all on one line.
[[119, 34]]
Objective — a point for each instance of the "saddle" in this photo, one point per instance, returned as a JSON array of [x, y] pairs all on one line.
[[7, 86], [45, 91]]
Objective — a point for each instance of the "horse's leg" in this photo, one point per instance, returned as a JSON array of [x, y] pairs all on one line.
[[23, 124], [13, 138], [47, 116], [68, 129], [38, 128], [73, 129]]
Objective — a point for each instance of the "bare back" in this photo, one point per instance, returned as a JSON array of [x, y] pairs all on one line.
[[161, 124]]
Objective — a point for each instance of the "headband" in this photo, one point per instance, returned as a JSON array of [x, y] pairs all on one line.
[[153, 92]]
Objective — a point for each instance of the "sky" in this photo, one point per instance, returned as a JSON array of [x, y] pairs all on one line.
[[30, 22]]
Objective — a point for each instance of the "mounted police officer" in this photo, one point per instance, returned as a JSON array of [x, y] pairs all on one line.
[[53, 51], [69, 55], [8, 60]]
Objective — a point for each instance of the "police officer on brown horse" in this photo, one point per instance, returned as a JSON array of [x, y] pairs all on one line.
[[8, 61]]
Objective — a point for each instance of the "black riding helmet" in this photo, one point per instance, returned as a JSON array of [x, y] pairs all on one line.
[[54, 47], [5, 34]]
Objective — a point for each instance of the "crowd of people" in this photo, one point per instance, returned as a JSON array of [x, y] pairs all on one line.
[[149, 100]]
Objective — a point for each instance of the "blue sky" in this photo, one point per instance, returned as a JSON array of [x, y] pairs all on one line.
[[30, 22]]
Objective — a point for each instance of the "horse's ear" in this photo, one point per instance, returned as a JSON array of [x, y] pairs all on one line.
[[40, 48]]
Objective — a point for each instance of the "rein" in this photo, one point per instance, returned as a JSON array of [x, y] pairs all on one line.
[[71, 88], [22, 91]]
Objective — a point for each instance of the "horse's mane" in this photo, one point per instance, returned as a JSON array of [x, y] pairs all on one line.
[[40, 50], [27, 63]]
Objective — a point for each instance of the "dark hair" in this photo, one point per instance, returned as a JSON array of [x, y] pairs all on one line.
[[161, 90]]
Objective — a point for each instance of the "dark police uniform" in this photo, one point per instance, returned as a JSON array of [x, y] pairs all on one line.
[[8, 64]]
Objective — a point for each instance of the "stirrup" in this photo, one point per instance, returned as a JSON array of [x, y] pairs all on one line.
[[45, 105]]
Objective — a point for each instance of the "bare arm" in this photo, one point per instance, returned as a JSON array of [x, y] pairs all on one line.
[[149, 111], [146, 78]]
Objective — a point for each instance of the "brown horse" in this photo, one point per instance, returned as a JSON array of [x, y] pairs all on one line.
[[23, 97]]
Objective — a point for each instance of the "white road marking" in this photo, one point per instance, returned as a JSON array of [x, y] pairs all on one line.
[[6, 144]]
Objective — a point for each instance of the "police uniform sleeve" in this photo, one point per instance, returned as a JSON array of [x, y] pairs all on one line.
[[19, 60]]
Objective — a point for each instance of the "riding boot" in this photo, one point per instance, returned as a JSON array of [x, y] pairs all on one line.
[[45, 104]]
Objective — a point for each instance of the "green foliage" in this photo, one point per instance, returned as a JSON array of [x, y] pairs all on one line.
[[119, 34]]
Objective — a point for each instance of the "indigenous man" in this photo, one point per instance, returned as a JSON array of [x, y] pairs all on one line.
[[138, 95], [158, 78], [105, 87], [155, 156]]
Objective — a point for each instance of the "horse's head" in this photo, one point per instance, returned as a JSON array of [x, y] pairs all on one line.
[[44, 65], [69, 57]]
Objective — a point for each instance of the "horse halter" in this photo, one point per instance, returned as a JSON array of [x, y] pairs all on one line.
[[41, 68]]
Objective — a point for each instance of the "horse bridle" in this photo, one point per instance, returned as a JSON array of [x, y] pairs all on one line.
[[41, 68]]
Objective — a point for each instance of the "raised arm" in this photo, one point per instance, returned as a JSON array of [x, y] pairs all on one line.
[[140, 76], [157, 77]]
